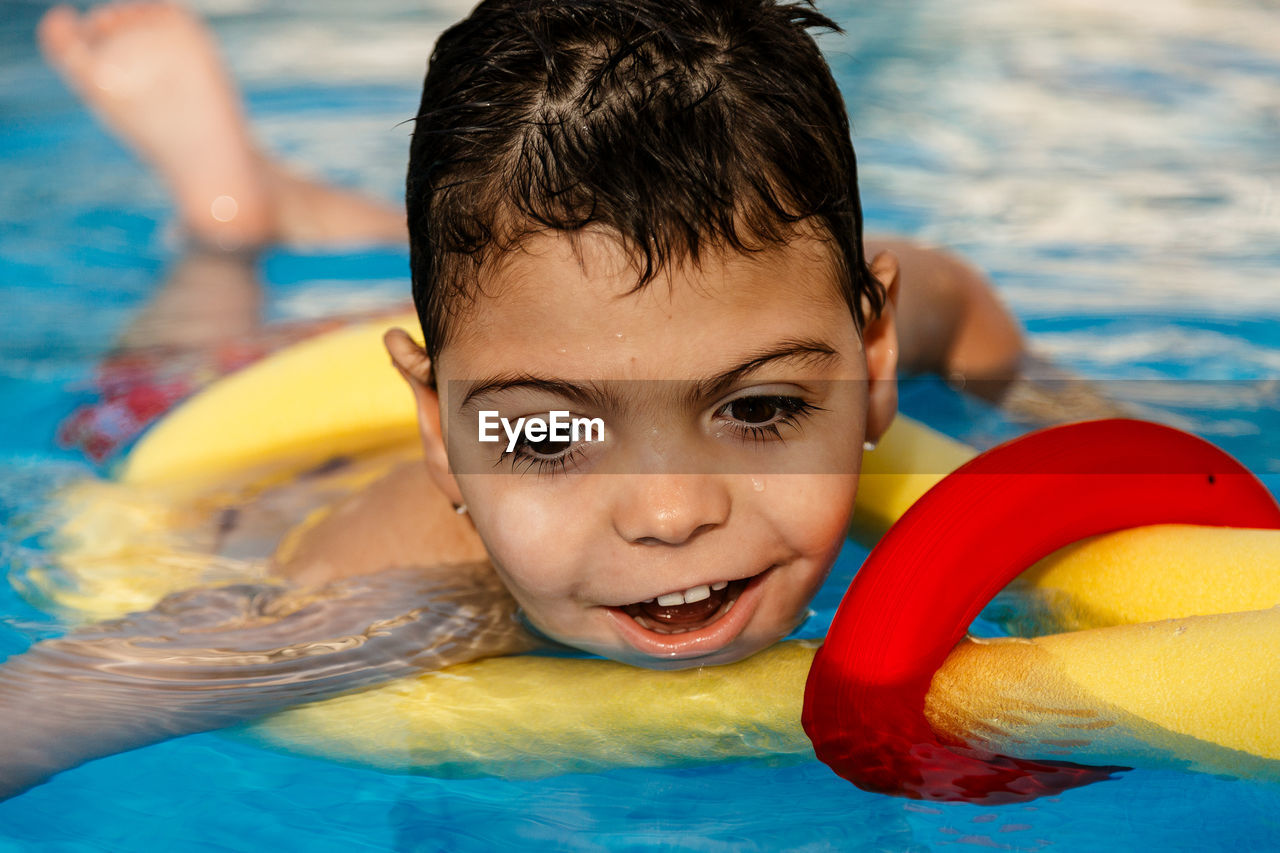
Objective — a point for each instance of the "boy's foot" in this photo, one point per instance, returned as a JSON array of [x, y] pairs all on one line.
[[152, 73]]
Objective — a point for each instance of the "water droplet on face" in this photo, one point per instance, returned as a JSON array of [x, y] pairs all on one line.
[[758, 485], [224, 208]]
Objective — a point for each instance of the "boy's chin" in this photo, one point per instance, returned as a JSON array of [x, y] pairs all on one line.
[[731, 654], [739, 648]]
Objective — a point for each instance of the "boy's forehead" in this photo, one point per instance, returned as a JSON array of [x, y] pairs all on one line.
[[575, 300], [599, 251]]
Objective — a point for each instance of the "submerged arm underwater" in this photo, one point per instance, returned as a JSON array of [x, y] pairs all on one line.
[[210, 658]]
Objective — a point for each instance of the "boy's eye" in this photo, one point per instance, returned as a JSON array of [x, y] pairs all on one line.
[[761, 417], [753, 410], [546, 455], [546, 448], [765, 409]]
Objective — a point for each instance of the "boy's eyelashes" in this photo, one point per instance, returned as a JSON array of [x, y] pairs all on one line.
[[761, 418], [545, 457]]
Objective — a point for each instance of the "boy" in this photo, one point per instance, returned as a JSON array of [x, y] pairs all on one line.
[[643, 212]]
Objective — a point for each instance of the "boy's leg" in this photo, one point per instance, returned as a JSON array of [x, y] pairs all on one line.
[[152, 74], [310, 213], [208, 298]]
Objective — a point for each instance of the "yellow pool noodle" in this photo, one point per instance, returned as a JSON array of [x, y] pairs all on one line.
[[333, 394], [1195, 692], [1151, 573], [907, 462], [1198, 693], [527, 717]]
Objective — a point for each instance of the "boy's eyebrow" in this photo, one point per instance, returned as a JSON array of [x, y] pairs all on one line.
[[582, 394], [803, 350]]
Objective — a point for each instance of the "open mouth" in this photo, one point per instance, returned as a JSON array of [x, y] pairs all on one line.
[[696, 623], [688, 610]]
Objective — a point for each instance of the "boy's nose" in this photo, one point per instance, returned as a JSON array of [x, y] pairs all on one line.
[[661, 509]]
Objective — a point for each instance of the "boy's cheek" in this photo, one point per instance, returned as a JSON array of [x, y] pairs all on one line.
[[812, 512], [530, 537]]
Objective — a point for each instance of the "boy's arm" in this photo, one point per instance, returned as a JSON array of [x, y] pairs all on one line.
[[952, 323], [210, 658], [950, 320]]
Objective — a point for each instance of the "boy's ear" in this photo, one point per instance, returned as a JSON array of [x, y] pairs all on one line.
[[880, 343], [414, 365]]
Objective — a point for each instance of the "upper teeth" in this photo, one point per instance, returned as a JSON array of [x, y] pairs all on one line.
[[690, 595]]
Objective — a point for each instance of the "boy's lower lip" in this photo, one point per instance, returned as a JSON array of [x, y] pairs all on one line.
[[699, 642]]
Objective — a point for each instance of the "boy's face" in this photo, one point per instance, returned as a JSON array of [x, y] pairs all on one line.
[[734, 396]]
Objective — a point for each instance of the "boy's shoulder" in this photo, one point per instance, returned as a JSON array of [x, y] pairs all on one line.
[[367, 516]]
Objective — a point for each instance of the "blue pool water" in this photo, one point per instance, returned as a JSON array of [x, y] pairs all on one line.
[[1112, 165]]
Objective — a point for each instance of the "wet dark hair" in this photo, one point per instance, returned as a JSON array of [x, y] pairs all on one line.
[[679, 125]]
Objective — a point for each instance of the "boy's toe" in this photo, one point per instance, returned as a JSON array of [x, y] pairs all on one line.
[[103, 20], [61, 36]]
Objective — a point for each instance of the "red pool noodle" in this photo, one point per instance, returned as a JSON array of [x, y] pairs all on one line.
[[959, 545]]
